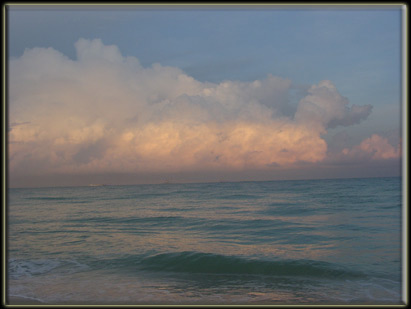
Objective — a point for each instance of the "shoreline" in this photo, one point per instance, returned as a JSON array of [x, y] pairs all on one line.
[[21, 300]]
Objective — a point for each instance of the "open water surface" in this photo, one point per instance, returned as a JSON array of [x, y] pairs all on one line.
[[275, 242]]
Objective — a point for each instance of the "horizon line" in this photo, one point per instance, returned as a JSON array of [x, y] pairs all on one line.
[[171, 182]]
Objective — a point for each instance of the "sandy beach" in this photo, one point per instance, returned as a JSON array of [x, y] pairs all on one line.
[[18, 300]]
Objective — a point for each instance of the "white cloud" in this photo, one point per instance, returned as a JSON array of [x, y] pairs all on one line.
[[106, 113]]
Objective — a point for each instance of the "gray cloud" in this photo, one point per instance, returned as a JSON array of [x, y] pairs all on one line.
[[324, 105]]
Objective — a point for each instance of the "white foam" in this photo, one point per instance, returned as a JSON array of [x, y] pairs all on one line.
[[28, 268], [24, 268], [27, 297]]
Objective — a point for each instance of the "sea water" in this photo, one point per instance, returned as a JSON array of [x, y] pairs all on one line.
[[275, 242]]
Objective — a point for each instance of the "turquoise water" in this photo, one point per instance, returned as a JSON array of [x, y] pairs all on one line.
[[274, 242]]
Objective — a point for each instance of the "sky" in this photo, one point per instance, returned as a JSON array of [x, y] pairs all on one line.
[[148, 94]]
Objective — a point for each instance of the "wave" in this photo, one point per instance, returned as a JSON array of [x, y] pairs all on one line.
[[208, 263], [28, 268], [187, 262], [62, 199], [51, 198], [237, 197], [158, 220]]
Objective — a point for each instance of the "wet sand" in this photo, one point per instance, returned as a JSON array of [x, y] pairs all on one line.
[[18, 300]]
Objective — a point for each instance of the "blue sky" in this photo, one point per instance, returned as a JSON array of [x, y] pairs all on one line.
[[358, 49], [302, 44]]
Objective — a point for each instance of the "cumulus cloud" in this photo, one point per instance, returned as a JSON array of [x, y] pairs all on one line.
[[374, 148], [324, 108], [104, 112]]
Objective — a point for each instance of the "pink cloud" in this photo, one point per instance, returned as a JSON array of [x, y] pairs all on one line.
[[374, 148], [106, 113]]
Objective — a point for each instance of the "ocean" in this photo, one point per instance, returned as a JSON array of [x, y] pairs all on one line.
[[335, 241]]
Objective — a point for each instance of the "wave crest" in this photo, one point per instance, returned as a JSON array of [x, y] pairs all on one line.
[[208, 263]]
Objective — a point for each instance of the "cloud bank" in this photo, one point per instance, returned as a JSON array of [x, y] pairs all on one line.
[[105, 113]]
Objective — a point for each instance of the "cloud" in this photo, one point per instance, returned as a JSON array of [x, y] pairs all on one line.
[[373, 152], [325, 107], [374, 148], [104, 112]]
